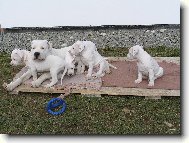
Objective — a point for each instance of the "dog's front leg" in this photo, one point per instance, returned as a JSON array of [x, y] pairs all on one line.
[[151, 77], [139, 79], [90, 70], [41, 79], [34, 73], [11, 86], [80, 68]]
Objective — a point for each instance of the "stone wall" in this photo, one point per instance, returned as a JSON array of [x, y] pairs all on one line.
[[102, 36]]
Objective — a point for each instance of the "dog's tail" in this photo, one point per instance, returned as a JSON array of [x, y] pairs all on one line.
[[65, 70], [160, 72], [110, 65]]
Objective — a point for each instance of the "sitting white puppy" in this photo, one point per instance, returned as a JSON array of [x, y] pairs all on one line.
[[89, 56], [147, 66]]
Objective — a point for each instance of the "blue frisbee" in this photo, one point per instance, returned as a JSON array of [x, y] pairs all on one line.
[[54, 103]]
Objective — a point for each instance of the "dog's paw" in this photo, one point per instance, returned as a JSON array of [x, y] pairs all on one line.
[[78, 72], [8, 87], [95, 76], [151, 83], [34, 78], [35, 84], [138, 81], [88, 77], [5, 85], [108, 71], [47, 86]]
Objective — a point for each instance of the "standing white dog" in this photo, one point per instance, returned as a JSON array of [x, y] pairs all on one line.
[[89, 55], [147, 66]]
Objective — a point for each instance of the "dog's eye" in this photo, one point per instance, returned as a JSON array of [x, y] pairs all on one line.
[[42, 48], [33, 48], [71, 68]]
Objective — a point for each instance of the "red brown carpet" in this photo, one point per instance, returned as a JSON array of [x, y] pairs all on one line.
[[126, 74]]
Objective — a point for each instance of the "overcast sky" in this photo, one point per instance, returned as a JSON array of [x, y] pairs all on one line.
[[48, 13]]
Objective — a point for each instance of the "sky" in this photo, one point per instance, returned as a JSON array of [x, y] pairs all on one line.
[[50, 13]]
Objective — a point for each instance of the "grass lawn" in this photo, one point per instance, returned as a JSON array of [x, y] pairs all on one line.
[[25, 113]]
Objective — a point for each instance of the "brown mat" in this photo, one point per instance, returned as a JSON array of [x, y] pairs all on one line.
[[126, 74]]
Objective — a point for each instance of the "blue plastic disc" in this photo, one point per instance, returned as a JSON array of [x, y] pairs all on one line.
[[54, 103]]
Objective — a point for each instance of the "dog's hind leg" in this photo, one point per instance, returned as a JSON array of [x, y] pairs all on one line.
[[54, 75], [101, 70], [151, 77], [90, 70]]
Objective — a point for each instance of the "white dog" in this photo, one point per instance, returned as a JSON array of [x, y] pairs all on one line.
[[147, 66], [90, 57], [41, 60], [20, 57]]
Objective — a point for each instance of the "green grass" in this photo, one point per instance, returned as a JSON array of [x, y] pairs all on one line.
[[25, 113], [160, 51]]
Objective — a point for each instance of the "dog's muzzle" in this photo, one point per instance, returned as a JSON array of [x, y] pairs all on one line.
[[36, 55], [70, 74]]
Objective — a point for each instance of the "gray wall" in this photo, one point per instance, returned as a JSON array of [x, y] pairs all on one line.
[[104, 36]]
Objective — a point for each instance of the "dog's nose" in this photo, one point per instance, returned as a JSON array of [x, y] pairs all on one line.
[[36, 54], [70, 74]]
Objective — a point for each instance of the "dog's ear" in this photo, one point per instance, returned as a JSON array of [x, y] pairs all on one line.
[[134, 51], [32, 42], [72, 56], [81, 47], [19, 53], [49, 45]]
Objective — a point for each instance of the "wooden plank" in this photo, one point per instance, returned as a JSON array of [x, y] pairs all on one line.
[[103, 91]]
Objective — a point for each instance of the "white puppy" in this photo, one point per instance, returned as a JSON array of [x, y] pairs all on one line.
[[41, 60], [20, 57], [89, 55], [147, 66]]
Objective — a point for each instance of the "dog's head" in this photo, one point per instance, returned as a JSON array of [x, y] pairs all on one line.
[[133, 52], [17, 57], [70, 63], [77, 48], [40, 49]]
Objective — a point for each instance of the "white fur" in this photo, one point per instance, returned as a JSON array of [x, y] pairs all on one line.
[[20, 57], [45, 61], [147, 66], [90, 57]]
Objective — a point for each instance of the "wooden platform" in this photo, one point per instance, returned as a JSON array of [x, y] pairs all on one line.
[[111, 90]]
